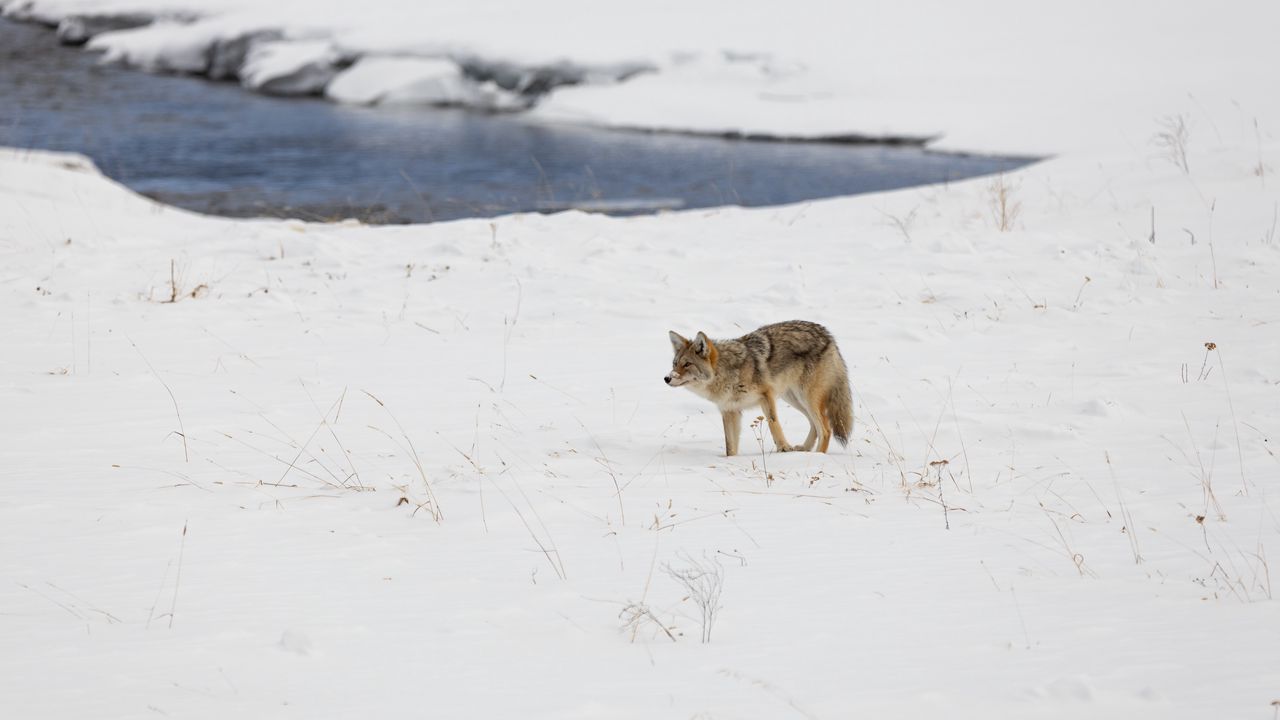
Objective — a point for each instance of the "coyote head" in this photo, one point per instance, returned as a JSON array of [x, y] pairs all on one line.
[[694, 361]]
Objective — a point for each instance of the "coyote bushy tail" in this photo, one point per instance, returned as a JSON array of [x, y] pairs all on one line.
[[840, 409]]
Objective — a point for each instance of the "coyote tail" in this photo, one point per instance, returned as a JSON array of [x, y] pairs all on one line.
[[840, 409]]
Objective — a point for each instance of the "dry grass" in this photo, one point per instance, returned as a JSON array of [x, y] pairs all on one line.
[[1247, 581], [603, 461], [1205, 476], [546, 546], [336, 470], [757, 429], [893, 456], [939, 465], [1005, 209], [434, 504], [1064, 543], [1130, 530], [1260, 169], [703, 580], [177, 288], [1172, 140], [637, 616], [902, 223], [182, 430], [173, 605], [1213, 347], [1080, 293]]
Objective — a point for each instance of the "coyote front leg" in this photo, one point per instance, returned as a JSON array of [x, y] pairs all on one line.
[[732, 430]]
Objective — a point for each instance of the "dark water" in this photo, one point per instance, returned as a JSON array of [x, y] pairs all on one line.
[[216, 148]]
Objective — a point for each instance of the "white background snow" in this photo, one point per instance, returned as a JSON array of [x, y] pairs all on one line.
[[432, 471]]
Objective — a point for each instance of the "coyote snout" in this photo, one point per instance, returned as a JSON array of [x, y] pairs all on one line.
[[797, 361]]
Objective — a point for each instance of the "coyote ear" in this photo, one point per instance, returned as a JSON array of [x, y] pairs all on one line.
[[702, 345], [677, 340]]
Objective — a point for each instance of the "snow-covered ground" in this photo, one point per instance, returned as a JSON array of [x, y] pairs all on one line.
[[279, 469], [1059, 369]]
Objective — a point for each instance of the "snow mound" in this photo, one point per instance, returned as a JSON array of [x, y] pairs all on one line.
[[730, 95], [271, 56], [419, 81], [77, 29], [283, 67], [160, 46]]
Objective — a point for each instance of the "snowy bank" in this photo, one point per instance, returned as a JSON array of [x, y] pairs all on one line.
[[978, 76]]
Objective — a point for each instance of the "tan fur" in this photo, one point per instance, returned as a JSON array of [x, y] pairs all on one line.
[[795, 361]]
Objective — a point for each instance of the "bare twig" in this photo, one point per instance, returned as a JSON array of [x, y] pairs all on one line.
[[703, 580], [1076, 305], [946, 519]]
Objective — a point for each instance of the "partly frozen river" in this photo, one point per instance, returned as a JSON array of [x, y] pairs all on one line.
[[215, 148]]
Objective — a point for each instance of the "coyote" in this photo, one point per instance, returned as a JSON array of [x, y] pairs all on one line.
[[797, 361]]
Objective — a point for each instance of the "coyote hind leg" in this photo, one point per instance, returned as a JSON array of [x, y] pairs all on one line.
[[796, 401], [818, 401]]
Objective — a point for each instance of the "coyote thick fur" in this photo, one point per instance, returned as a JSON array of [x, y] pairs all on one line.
[[796, 361]]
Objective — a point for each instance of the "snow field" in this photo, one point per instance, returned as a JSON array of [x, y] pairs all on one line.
[[409, 471], [518, 363]]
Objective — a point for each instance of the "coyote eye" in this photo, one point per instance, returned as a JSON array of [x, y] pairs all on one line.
[[687, 365]]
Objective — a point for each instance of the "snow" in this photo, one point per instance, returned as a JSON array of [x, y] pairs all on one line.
[[1059, 369], [162, 46], [291, 68], [433, 470], [992, 77], [408, 80]]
